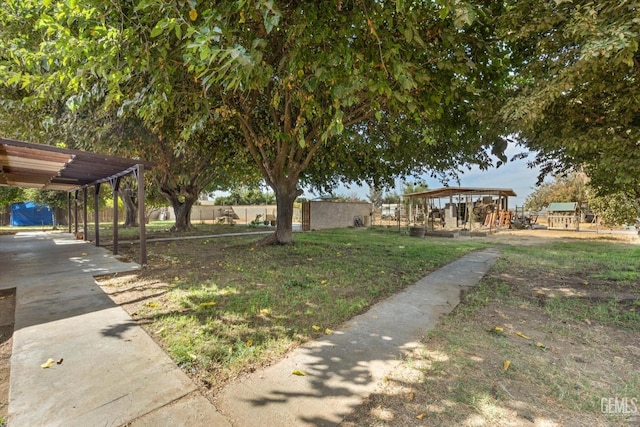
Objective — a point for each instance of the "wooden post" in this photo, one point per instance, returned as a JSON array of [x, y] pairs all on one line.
[[84, 214], [75, 213], [69, 210], [141, 217], [96, 212], [115, 185]]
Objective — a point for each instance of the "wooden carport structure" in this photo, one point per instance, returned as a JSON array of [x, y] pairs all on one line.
[[46, 167], [467, 193]]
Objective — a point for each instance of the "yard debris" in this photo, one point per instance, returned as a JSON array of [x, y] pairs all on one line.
[[411, 396], [59, 362], [498, 330], [316, 327], [207, 304], [521, 335], [328, 331], [421, 416], [541, 346], [299, 373], [49, 363], [505, 365]]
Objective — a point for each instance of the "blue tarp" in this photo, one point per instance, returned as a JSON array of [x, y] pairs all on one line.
[[30, 213]]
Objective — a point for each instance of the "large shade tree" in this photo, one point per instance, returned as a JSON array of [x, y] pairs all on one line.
[[577, 99], [319, 91], [327, 89]]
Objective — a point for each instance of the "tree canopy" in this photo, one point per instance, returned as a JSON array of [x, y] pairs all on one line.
[[319, 92], [577, 98]]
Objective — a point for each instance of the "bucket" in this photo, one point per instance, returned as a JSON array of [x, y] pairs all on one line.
[[416, 231]]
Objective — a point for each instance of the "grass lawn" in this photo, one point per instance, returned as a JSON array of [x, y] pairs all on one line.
[[153, 229], [566, 347], [222, 306]]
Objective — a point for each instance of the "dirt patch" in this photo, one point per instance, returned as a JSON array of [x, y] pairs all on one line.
[[7, 316]]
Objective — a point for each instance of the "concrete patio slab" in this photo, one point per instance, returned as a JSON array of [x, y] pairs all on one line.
[[111, 371]]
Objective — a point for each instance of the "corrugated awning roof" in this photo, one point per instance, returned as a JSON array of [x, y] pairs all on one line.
[[562, 207], [46, 167], [462, 191]]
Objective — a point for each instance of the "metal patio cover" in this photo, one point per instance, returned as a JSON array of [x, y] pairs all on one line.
[[46, 167], [455, 191]]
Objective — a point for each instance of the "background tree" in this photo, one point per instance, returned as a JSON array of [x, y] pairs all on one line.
[[9, 195], [246, 195], [616, 209], [375, 196], [573, 187]]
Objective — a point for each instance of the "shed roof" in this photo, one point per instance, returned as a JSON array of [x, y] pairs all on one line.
[[454, 191], [562, 207], [23, 164]]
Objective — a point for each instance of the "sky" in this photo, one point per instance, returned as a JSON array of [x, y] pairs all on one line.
[[515, 175]]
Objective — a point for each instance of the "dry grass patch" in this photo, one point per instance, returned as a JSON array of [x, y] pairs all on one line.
[[568, 349]]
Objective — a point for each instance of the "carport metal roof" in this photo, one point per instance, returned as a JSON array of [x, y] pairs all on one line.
[[461, 191], [46, 167]]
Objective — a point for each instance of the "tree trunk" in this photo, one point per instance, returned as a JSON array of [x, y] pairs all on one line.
[[181, 208], [130, 207], [286, 193]]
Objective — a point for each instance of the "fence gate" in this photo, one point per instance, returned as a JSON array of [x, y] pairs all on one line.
[[306, 216]]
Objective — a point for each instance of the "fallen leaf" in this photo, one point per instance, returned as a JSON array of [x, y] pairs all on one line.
[[193, 356], [161, 330], [328, 331], [207, 304], [505, 365], [421, 416], [410, 396], [587, 321], [521, 335], [498, 329], [153, 304], [49, 363], [323, 282], [249, 343], [299, 373], [541, 346], [584, 282], [316, 327], [84, 254]]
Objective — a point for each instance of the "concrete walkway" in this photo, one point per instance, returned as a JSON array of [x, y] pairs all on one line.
[[345, 367], [112, 373]]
